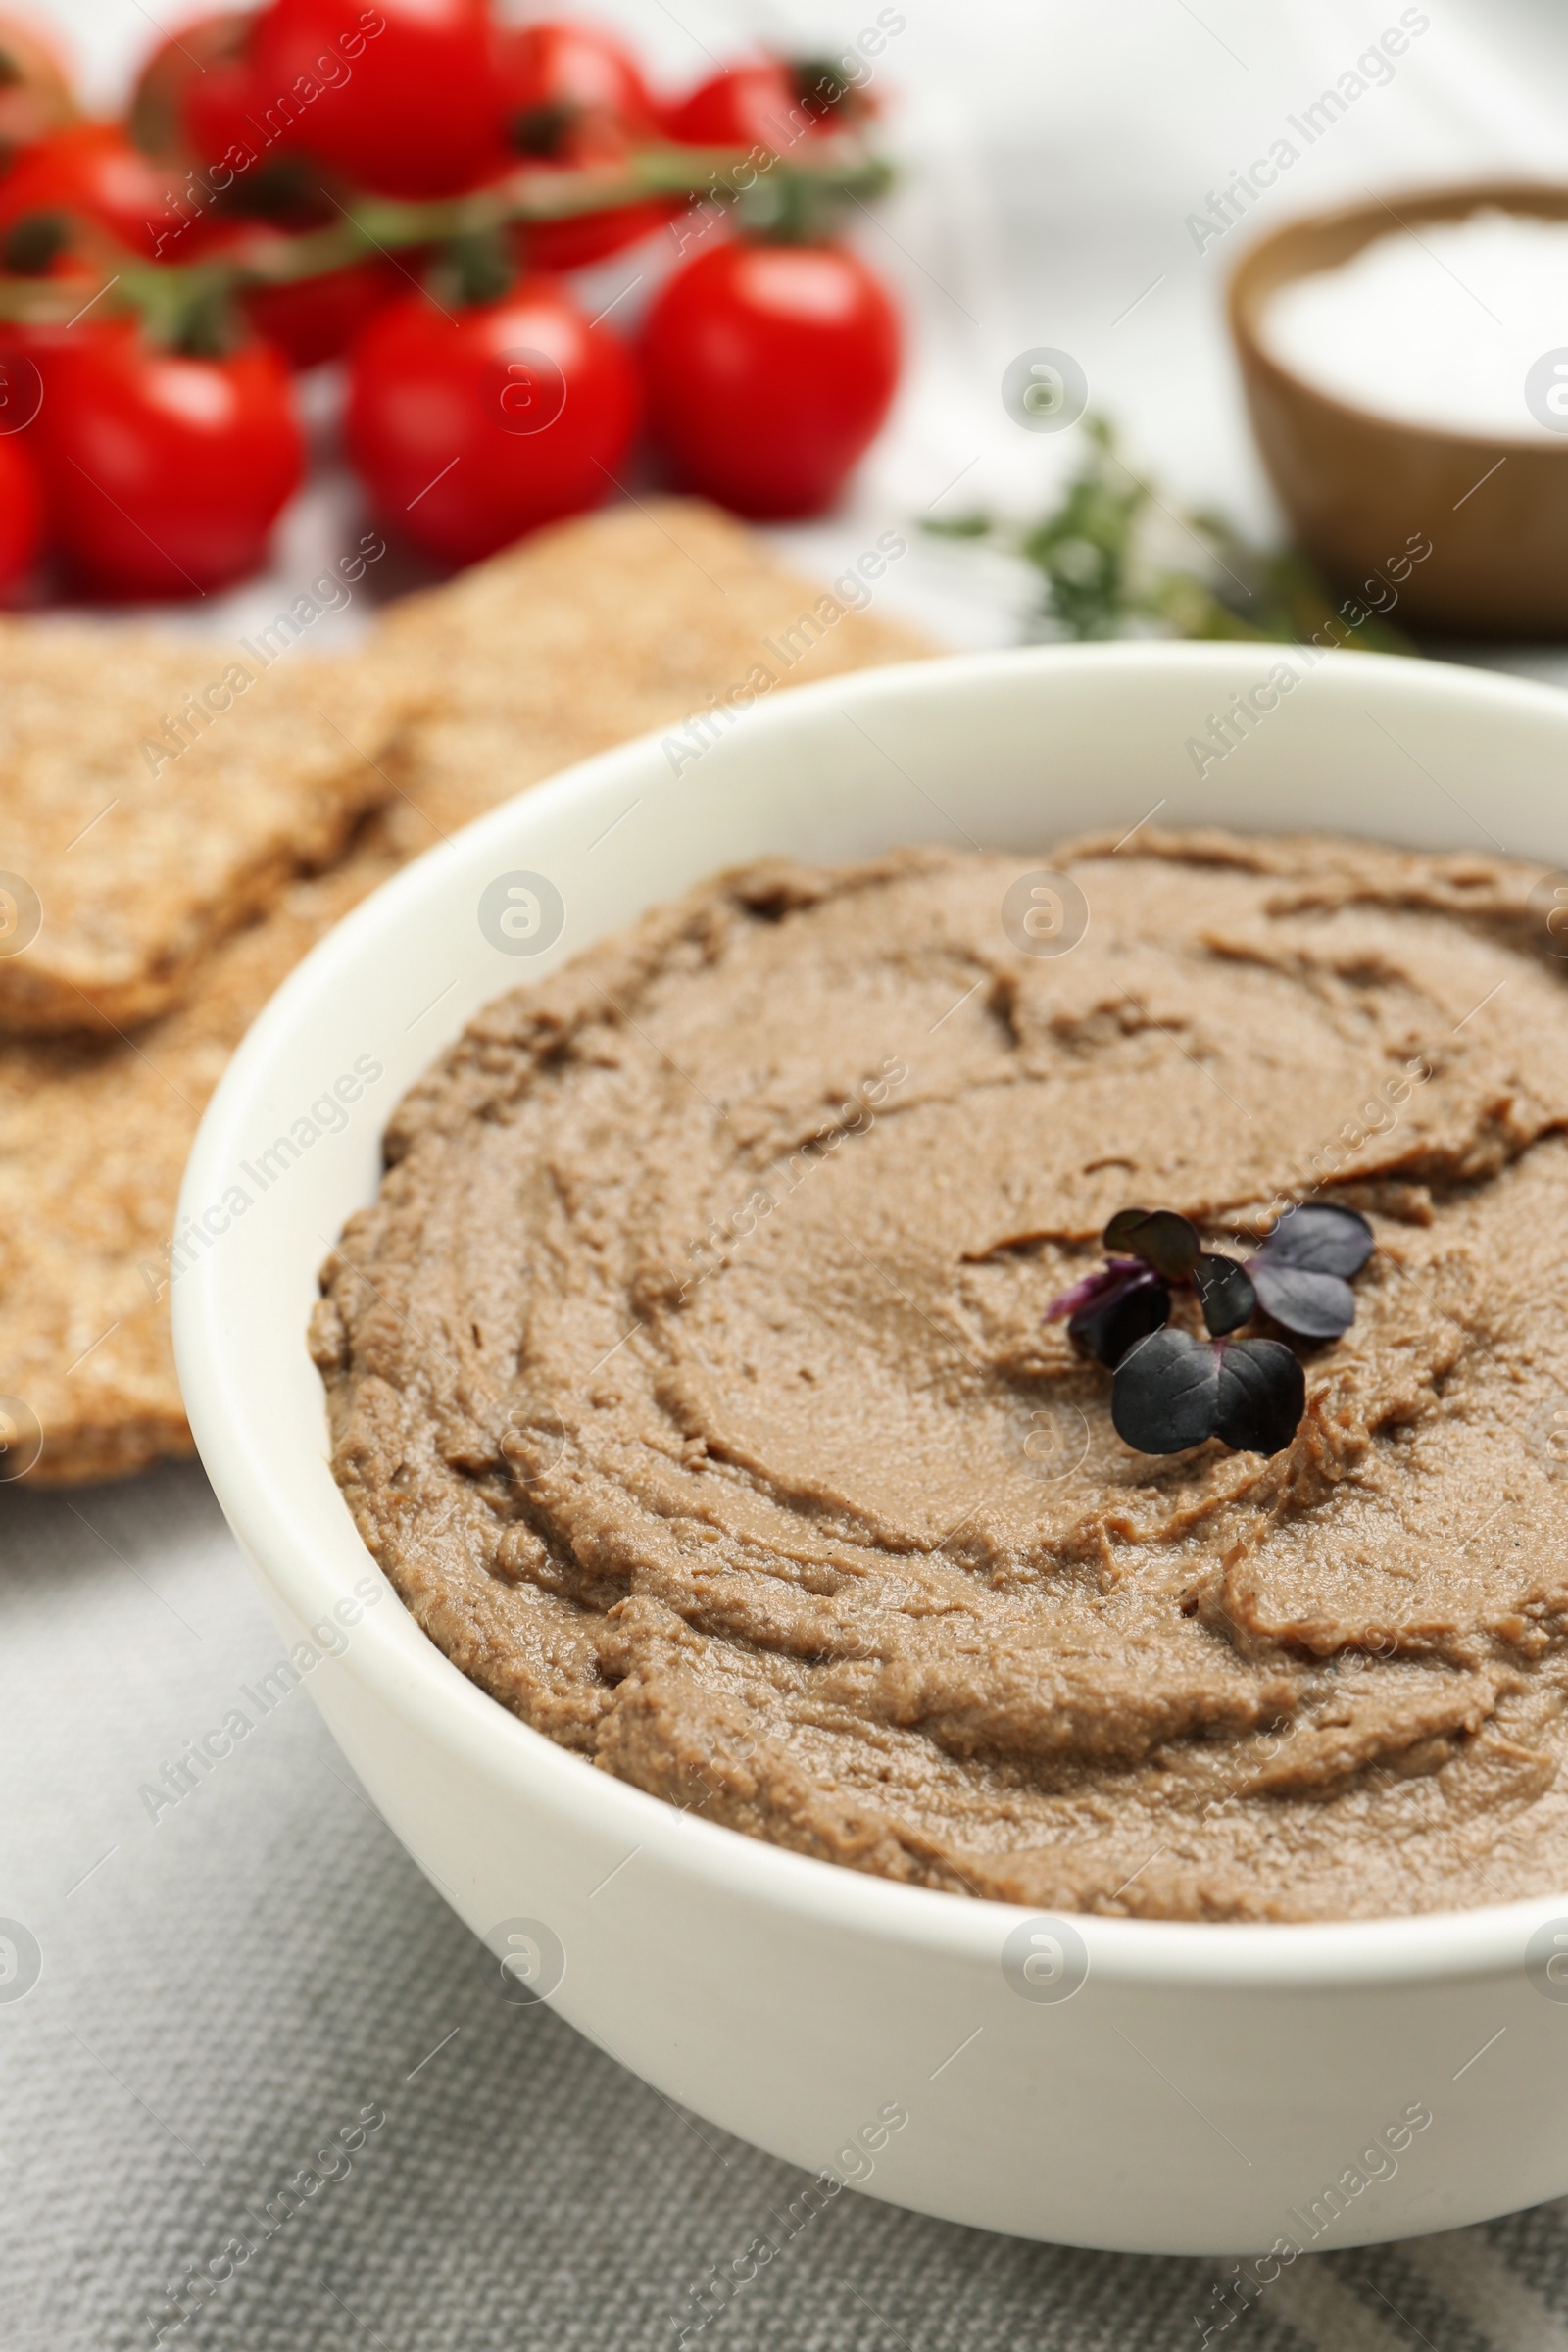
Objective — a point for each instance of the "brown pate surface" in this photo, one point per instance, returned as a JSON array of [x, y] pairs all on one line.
[[690, 1381]]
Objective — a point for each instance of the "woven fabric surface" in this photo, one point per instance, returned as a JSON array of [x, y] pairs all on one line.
[[262, 1971]]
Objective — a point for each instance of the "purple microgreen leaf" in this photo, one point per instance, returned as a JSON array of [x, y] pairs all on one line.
[[1099, 1288], [1319, 1240], [1318, 1306], [1160, 1236], [1261, 1396], [1171, 1391], [1224, 1292], [1162, 1397], [1118, 1322]]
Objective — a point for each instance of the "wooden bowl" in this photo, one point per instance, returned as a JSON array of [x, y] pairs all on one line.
[[1364, 492]]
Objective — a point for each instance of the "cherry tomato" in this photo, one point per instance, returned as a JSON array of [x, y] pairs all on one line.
[[25, 352], [768, 369], [571, 244], [216, 113], [577, 70], [20, 511], [576, 98], [321, 318], [35, 97], [771, 104], [404, 97], [163, 475], [93, 173], [315, 319], [193, 90], [471, 429]]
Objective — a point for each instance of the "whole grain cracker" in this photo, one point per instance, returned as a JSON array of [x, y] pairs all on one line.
[[580, 637], [601, 629], [155, 794], [95, 1134]]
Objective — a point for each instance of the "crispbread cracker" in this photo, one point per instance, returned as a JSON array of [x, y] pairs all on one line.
[[597, 630], [94, 1132], [581, 637], [142, 852]]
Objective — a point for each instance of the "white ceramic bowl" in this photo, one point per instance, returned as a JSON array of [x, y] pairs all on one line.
[[1207, 2084]]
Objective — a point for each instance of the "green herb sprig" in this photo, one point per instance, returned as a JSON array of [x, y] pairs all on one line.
[[1102, 575]]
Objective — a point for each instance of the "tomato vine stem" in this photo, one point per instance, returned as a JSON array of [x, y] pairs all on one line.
[[163, 291]]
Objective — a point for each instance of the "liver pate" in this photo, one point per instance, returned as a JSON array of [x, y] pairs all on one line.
[[689, 1378]]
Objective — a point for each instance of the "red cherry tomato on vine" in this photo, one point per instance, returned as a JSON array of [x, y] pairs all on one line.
[[576, 98], [320, 318], [191, 96], [163, 475], [221, 126], [579, 70], [93, 173], [471, 429], [573, 244], [20, 512], [25, 352], [768, 369], [404, 97], [35, 95], [771, 104], [315, 319]]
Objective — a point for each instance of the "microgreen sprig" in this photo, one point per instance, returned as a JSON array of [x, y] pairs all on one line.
[[1171, 1390]]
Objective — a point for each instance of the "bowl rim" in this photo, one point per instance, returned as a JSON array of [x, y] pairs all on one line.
[[420, 1685], [1455, 201]]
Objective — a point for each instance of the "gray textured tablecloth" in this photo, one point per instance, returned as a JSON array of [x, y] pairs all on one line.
[[258, 1975]]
